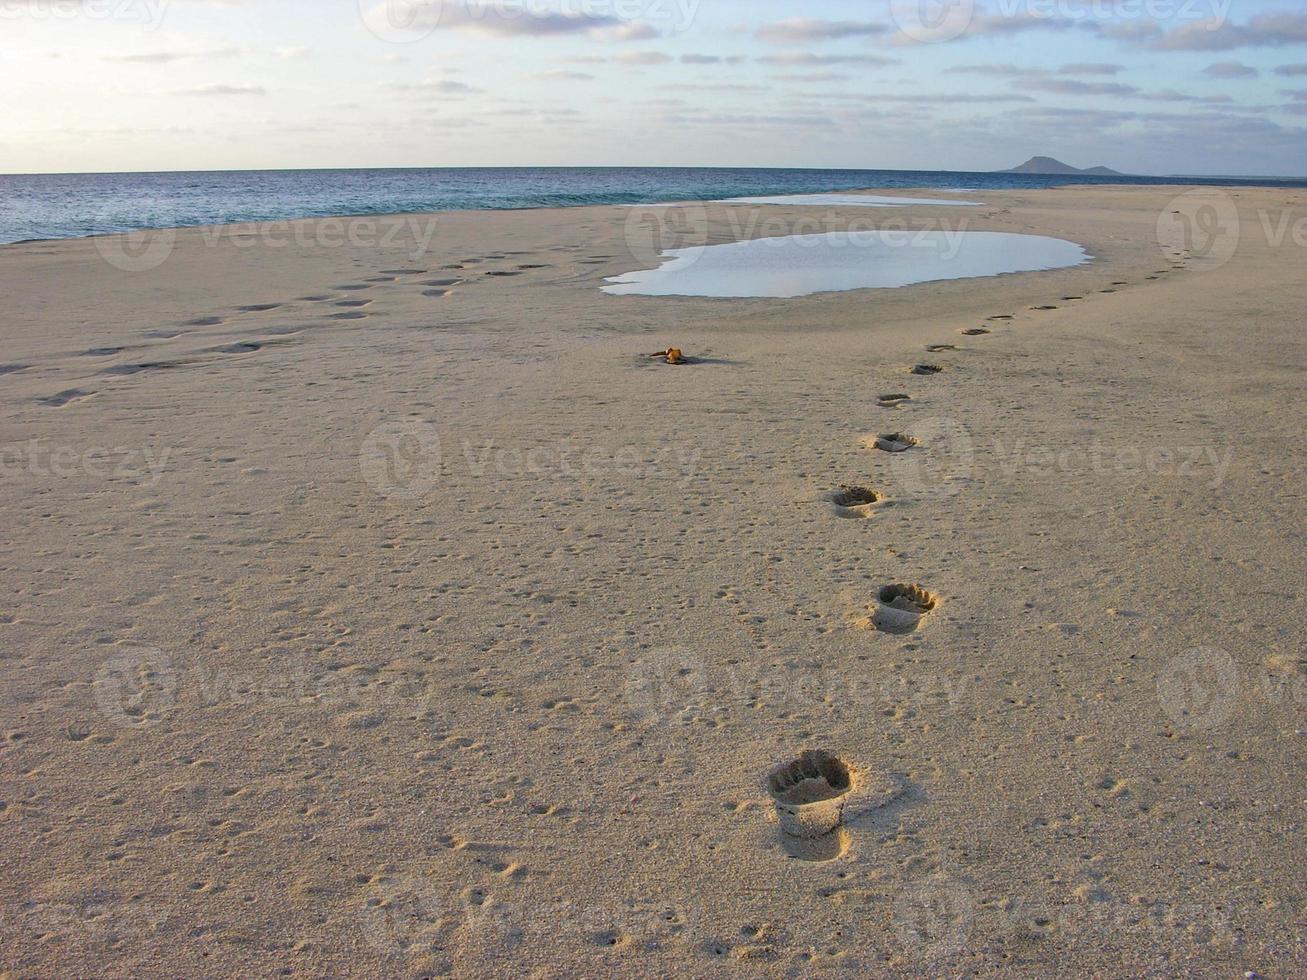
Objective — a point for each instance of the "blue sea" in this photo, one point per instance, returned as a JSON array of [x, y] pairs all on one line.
[[41, 206]]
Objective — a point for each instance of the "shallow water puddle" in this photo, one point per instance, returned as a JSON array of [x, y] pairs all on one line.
[[800, 265]]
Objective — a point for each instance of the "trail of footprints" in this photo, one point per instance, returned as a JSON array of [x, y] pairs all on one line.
[[901, 609], [344, 300]]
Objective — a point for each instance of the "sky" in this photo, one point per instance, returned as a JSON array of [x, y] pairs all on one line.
[[1143, 86]]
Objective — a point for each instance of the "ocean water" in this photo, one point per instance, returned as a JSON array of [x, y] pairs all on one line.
[[73, 205], [800, 265]]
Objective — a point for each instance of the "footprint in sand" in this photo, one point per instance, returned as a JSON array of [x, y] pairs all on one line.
[[809, 794], [1002, 316], [501, 274], [380, 279], [162, 334], [102, 351], [438, 283], [259, 308], [123, 370], [243, 347], [355, 315], [354, 303], [435, 293], [1107, 290], [853, 502], [1043, 307], [926, 369], [353, 287], [402, 272], [1071, 299], [973, 332], [894, 442], [65, 397], [13, 368], [204, 321], [900, 609], [314, 299], [892, 401], [1120, 284], [940, 348], [534, 265]]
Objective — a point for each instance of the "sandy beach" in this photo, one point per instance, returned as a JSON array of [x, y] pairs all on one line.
[[374, 605]]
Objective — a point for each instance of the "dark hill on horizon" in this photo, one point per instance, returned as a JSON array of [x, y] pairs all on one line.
[[1047, 165]]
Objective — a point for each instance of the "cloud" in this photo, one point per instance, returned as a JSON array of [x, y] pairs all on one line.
[[169, 57], [432, 86], [502, 19], [560, 75], [808, 58], [625, 32], [1230, 69], [804, 30], [642, 58], [1291, 70], [224, 90], [1298, 95], [1070, 86], [711, 59], [1171, 95], [1219, 34], [1091, 68]]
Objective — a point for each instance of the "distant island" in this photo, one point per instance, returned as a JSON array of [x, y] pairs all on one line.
[[1047, 165]]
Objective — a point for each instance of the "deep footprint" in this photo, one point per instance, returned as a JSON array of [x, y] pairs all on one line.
[[854, 502], [256, 308], [901, 608], [65, 397], [940, 348], [974, 332], [894, 442], [893, 401], [926, 369]]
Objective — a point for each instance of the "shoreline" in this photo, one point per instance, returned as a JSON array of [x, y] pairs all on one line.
[[1194, 183]]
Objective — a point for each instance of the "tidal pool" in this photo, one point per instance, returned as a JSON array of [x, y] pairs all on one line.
[[800, 265]]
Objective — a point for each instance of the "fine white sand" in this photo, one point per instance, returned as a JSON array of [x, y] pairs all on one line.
[[378, 611]]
